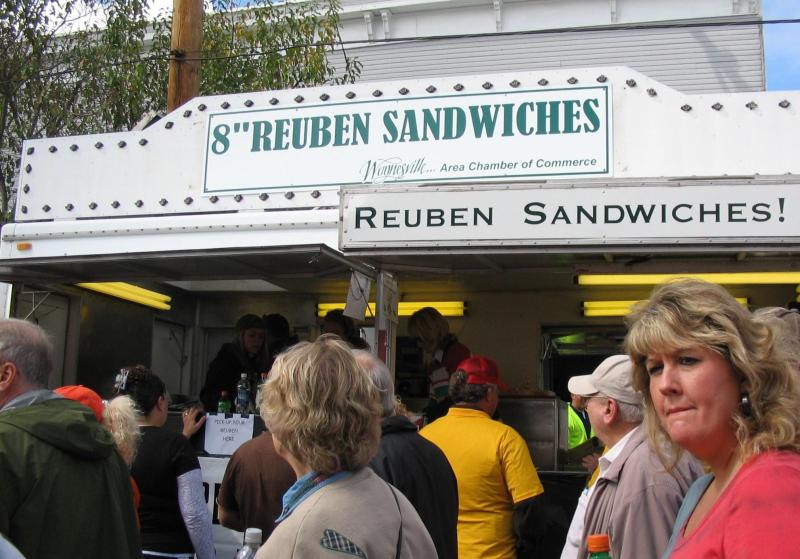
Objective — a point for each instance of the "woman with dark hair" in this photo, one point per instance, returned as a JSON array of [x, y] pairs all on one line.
[[172, 513], [718, 383], [247, 353], [336, 322]]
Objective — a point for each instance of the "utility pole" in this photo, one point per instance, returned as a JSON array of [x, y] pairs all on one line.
[[187, 40]]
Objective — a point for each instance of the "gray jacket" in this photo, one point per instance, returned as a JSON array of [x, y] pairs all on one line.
[[636, 501]]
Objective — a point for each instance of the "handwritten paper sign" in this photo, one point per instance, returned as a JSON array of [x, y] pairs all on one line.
[[227, 432]]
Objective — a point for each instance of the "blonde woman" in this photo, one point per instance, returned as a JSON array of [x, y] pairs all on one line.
[[717, 383], [324, 416], [442, 352]]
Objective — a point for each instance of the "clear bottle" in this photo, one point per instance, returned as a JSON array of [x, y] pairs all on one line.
[[243, 395], [252, 541], [598, 546], [224, 404]]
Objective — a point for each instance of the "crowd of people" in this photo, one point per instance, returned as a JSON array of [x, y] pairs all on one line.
[[699, 420]]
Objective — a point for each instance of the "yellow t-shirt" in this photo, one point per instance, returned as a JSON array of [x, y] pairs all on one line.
[[494, 470]]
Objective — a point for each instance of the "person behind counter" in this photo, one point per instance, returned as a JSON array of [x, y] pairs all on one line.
[[173, 515], [718, 383], [442, 352], [335, 322], [324, 416], [278, 335], [247, 353]]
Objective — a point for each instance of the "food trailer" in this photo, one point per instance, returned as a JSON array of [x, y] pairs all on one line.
[[531, 200]]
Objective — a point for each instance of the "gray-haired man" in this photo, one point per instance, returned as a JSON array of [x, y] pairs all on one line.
[[634, 500], [413, 464], [65, 490]]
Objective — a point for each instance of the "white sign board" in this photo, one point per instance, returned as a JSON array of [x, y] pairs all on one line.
[[581, 216], [227, 432], [513, 135]]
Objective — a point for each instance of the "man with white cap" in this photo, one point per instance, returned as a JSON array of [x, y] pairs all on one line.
[[635, 500]]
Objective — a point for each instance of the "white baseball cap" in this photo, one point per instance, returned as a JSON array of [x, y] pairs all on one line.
[[611, 378]]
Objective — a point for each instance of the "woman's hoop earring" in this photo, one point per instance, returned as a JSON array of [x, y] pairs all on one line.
[[745, 407]]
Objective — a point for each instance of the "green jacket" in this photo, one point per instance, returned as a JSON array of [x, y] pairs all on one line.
[[64, 489], [576, 432]]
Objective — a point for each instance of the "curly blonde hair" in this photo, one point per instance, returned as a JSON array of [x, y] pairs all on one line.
[[120, 417], [322, 407], [688, 313]]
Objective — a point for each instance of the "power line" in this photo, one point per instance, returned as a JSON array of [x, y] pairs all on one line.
[[434, 38]]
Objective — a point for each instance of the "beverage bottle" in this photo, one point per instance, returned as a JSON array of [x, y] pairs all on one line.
[[224, 404], [598, 546], [252, 541], [243, 395]]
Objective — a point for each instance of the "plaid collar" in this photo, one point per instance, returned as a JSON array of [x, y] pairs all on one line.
[[304, 487]]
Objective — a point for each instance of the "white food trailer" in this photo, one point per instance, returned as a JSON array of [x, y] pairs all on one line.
[[510, 193]]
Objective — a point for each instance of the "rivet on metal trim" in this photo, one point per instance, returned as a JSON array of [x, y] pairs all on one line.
[[602, 79], [784, 104], [98, 145], [652, 92], [263, 196], [92, 205], [274, 101], [631, 83], [169, 125], [30, 151], [324, 97], [458, 87], [214, 199], [73, 147], [201, 107], [46, 208], [115, 204], [350, 95], [52, 149], [717, 106], [225, 105], [143, 142], [163, 202], [122, 143], [572, 81], [752, 105], [377, 93], [299, 99], [138, 203], [403, 91], [289, 195], [238, 197], [187, 114], [515, 84], [543, 82], [487, 85], [188, 200], [430, 89], [26, 189], [686, 108], [69, 207], [316, 194], [248, 103]]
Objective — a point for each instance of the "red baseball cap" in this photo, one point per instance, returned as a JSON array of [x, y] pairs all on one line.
[[85, 396], [481, 370]]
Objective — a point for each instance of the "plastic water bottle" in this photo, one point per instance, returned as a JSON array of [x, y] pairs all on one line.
[[252, 541], [598, 546], [224, 404], [243, 395]]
